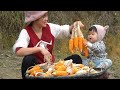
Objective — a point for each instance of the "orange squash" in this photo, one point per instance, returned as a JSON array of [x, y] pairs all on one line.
[[60, 73], [75, 40], [80, 45], [71, 43], [85, 49], [33, 69], [59, 63], [74, 70], [81, 65], [71, 47], [60, 68]]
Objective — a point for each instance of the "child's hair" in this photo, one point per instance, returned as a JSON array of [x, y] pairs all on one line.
[[101, 30], [93, 28]]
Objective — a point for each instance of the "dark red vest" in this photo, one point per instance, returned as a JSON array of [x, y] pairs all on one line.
[[46, 36]]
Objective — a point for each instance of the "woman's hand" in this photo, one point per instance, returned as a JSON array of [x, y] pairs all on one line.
[[74, 24], [80, 23], [47, 55]]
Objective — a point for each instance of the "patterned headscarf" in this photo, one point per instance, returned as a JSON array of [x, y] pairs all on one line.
[[33, 15]]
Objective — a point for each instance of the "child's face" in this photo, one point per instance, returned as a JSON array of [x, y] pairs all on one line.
[[92, 36]]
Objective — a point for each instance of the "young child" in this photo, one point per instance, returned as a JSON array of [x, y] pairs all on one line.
[[96, 47]]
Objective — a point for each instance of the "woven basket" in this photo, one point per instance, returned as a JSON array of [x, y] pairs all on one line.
[[85, 76]]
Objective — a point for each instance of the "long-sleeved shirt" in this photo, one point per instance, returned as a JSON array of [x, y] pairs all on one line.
[[97, 51]]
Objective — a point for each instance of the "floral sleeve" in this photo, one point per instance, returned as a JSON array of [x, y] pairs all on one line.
[[98, 47]]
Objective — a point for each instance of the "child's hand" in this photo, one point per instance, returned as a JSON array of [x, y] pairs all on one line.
[[88, 44], [85, 42], [82, 53]]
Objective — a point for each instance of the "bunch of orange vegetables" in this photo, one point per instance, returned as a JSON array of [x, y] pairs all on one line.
[[34, 71], [76, 42]]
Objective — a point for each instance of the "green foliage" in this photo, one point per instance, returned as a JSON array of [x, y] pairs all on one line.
[[11, 22]]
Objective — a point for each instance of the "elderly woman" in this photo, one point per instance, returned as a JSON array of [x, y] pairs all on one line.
[[36, 40]]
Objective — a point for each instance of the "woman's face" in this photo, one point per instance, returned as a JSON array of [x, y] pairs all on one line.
[[92, 36], [42, 21]]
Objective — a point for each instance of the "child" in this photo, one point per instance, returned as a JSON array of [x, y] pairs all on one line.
[[96, 47]]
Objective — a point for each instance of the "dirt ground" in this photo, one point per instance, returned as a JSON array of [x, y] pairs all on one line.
[[10, 66]]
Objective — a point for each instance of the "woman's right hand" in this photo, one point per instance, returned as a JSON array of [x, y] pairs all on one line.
[[47, 55]]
